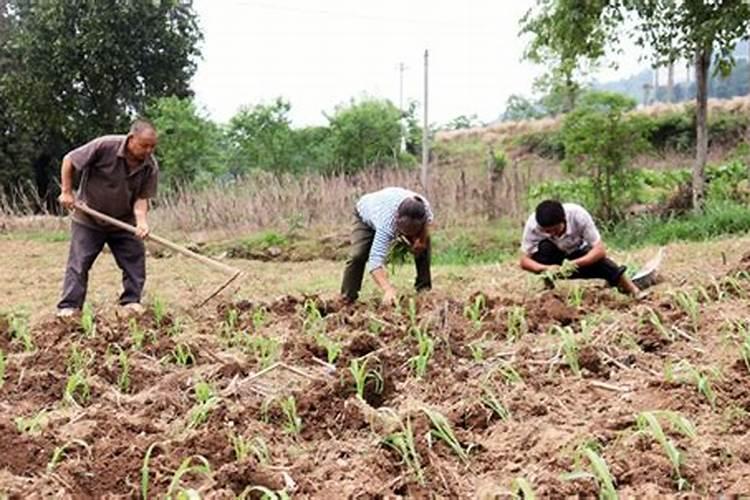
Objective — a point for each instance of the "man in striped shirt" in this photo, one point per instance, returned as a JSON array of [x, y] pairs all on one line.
[[380, 219]]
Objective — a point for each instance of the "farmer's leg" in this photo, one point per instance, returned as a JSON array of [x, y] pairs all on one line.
[[85, 245], [604, 269], [422, 261], [548, 254], [130, 255], [361, 241]]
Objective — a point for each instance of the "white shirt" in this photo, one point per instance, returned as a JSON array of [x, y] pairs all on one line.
[[580, 231]]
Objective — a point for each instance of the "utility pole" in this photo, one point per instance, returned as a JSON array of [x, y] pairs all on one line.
[[425, 131], [401, 69]]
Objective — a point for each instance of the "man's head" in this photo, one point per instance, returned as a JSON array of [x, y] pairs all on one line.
[[411, 217], [142, 139], [550, 216]]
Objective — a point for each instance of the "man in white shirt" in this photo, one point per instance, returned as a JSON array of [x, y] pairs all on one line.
[[557, 232]]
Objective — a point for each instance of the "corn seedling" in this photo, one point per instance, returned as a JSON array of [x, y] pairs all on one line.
[[474, 312], [517, 325], [265, 349], [18, 328], [375, 327], [59, 452], [265, 409], [123, 379], [259, 318], [403, 443], [175, 328], [426, 347], [477, 350], [145, 471], [333, 348], [569, 348], [733, 286], [745, 347], [314, 323], [2, 368], [137, 333], [655, 320], [259, 448], [205, 401], [599, 472], [240, 445], [441, 429], [509, 374], [293, 423], [564, 271], [182, 355], [265, 493], [491, 401], [411, 312], [522, 490], [361, 375], [88, 321], [685, 372], [77, 389], [575, 296], [32, 425], [159, 310], [689, 304], [79, 360], [231, 321], [648, 424], [187, 467]]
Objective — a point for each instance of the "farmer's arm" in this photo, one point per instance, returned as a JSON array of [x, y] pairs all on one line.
[[381, 243], [597, 253], [67, 198], [380, 276], [529, 264], [140, 210]]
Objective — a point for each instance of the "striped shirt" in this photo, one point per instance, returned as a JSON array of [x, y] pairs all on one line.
[[378, 210]]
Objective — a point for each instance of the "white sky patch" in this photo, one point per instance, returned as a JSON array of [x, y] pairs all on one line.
[[320, 54]]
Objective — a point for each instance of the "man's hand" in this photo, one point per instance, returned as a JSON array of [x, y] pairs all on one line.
[[67, 199], [141, 230], [389, 297], [418, 246]]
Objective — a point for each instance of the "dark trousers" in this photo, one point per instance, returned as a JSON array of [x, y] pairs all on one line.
[[549, 254], [361, 241], [85, 245]]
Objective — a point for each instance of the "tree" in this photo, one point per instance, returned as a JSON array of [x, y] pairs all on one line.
[[463, 122], [518, 108], [599, 142], [365, 133], [189, 143], [701, 31], [261, 137], [570, 37], [84, 68]]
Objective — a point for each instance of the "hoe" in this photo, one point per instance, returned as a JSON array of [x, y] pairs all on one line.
[[232, 272]]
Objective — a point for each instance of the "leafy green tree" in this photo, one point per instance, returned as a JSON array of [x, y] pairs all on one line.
[[463, 122], [599, 141], [261, 137], [83, 68], [518, 107], [189, 143], [365, 133]]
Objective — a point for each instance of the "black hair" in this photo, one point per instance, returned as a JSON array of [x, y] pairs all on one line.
[[550, 213], [141, 125], [411, 216]]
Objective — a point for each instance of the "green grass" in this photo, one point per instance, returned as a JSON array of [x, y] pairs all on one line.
[[719, 219]]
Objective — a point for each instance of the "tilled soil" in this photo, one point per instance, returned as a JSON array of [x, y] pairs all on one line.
[[519, 408]]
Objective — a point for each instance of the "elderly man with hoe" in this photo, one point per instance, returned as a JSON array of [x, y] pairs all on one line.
[[381, 218], [119, 175], [557, 232]]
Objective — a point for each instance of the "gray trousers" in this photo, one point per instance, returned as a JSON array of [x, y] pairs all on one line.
[[85, 245], [361, 242]]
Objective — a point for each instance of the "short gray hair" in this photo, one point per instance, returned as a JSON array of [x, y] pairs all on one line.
[[141, 125]]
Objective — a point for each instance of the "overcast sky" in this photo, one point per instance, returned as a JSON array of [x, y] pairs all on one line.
[[323, 53]]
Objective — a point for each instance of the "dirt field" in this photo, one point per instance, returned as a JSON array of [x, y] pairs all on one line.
[[532, 384]]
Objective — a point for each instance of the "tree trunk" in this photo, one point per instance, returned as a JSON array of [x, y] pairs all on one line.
[[702, 61], [670, 83]]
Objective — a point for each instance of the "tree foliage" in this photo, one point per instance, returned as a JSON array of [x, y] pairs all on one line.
[[599, 141], [82, 68]]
